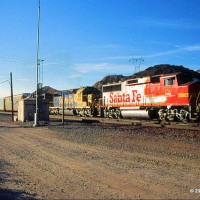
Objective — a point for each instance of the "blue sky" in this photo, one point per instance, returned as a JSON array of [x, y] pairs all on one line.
[[81, 41]]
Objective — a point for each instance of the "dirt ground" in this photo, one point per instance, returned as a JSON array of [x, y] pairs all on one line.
[[98, 161]]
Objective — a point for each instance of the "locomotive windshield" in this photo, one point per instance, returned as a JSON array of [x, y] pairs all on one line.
[[169, 81]]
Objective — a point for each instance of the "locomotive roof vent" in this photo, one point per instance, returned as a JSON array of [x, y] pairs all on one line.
[[132, 81], [138, 80], [111, 87]]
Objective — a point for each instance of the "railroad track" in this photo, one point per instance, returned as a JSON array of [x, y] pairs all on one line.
[[133, 122]]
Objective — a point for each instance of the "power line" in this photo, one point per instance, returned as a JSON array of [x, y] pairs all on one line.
[[4, 81], [137, 63]]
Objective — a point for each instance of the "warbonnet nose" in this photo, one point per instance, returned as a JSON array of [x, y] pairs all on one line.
[[136, 112]]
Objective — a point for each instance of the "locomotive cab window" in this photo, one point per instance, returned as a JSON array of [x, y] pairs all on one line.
[[169, 81]]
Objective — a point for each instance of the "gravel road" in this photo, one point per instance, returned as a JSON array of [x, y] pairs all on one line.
[[98, 161]]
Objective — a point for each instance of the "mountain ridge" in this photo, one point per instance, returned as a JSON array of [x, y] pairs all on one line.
[[150, 71]]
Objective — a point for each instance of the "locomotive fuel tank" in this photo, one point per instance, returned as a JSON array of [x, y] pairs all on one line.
[[136, 112], [68, 112]]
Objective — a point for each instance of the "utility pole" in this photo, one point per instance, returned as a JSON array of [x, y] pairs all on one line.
[[41, 72], [63, 108], [36, 116], [11, 89]]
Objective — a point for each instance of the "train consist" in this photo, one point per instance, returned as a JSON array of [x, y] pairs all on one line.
[[170, 97], [173, 97], [6, 105]]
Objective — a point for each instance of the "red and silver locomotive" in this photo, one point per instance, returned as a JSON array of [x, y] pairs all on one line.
[[170, 97]]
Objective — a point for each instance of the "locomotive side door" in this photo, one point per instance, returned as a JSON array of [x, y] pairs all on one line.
[[170, 89]]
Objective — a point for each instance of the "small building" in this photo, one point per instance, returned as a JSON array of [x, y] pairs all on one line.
[[27, 109]]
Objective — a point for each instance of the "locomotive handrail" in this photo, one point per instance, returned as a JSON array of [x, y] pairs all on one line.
[[197, 98], [190, 98]]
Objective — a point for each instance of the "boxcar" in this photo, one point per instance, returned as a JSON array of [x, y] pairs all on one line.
[[6, 104]]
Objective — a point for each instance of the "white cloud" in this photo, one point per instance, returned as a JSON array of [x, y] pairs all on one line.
[[90, 67], [49, 64], [174, 51], [74, 76], [104, 68], [103, 46], [189, 48], [170, 23], [119, 57]]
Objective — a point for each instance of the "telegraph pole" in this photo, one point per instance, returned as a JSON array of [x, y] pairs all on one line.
[[36, 116], [11, 89], [63, 108]]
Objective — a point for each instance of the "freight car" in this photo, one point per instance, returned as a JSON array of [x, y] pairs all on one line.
[[6, 104], [81, 102], [169, 97]]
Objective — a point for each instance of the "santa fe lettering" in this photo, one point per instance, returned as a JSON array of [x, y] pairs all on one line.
[[136, 97], [121, 98]]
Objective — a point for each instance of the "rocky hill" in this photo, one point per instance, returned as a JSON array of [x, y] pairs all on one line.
[[46, 90], [108, 79], [151, 71]]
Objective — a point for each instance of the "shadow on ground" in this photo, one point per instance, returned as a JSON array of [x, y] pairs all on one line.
[[14, 194], [10, 194]]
